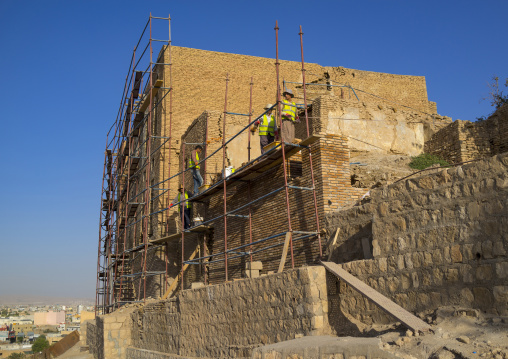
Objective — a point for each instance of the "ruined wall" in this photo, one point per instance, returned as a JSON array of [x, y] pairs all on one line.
[[406, 90], [231, 319], [463, 140], [438, 239], [371, 126]]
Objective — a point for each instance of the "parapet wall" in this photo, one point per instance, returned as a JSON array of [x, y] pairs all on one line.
[[463, 140], [220, 321], [438, 239]]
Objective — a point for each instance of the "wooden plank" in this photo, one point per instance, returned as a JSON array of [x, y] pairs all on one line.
[[173, 285], [284, 252], [199, 229], [145, 102], [390, 307], [331, 246], [137, 83]]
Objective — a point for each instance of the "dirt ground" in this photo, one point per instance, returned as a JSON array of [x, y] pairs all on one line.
[[457, 333]]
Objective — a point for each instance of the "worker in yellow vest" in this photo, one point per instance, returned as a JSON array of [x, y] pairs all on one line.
[[186, 205], [194, 164], [266, 128], [289, 117]]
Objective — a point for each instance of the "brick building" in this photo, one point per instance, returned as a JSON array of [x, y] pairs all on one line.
[[165, 115]]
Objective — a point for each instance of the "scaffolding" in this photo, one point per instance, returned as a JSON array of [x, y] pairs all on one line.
[[134, 186]]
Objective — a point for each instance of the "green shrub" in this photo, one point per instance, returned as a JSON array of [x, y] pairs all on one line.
[[425, 160]]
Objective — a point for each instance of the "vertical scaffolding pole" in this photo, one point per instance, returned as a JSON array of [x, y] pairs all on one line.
[[182, 209], [131, 146], [166, 247], [224, 179], [97, 287], [248, 160], [148, 166], [310, 152], [279, 117]]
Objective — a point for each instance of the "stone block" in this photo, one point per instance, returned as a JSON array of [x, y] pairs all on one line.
[[256, 265], [483, 298], [455, 254], [196, 285], [317, 322], [466, 296], [484, 273], [252, 273], [502, 270], [487, 248], [452, 274], [498, 249]]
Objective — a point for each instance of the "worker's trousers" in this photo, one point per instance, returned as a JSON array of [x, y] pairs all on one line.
[[288, 131], [186, 217], [198, 180], [265, 140]]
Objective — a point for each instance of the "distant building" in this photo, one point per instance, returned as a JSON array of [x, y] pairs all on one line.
[[49, 318]]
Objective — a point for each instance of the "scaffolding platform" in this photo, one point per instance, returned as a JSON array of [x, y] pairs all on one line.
[[257, 167], [198, 229], [146, 99]]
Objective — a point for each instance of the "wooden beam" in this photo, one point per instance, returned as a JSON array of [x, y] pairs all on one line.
[[386, 304], [173, 285], [284, 252]]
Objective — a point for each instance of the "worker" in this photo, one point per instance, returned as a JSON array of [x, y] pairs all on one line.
[[267, 129], [289, 117], [193, 163], [186, 205]]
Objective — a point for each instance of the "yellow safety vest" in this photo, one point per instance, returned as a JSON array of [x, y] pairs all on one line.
[[191, 162], [289, 107], [187, 203], [267, 126]]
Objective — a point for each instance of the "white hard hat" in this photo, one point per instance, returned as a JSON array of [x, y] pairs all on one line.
[[269, 105]]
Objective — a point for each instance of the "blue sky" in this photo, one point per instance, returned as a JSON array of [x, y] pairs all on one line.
[[63, 66]]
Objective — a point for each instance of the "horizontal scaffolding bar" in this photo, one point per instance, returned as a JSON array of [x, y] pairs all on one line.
[[303, 188], [238, 114]]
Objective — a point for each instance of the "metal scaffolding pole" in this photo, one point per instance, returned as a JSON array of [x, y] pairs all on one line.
[[224, 178], [279, 115], [310, 151]]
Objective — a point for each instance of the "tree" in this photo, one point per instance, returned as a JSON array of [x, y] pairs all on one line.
[[16, 356], [40, 344], [496, 97]]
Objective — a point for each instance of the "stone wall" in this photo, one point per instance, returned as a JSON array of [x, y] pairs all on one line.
[[439, 239], [229, 320], [108, 336], [463, 140]]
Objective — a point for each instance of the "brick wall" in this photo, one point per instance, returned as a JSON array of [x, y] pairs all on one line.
[[463, 140], [330, 158], [438, 239]]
